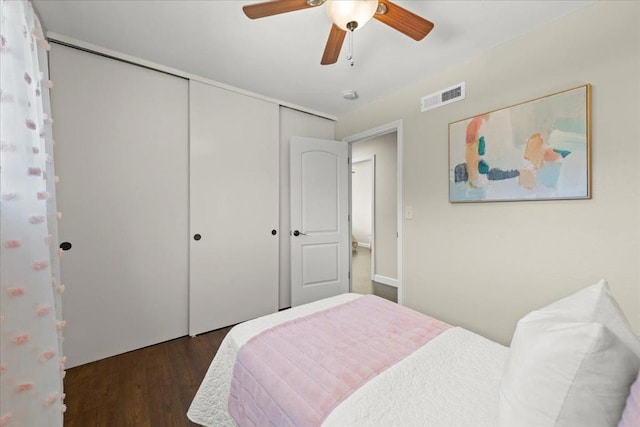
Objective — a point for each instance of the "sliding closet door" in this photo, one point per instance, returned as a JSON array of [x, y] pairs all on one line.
[[233, 208], [121, 152]]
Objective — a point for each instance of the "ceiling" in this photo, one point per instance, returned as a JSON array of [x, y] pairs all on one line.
[[279, 56]]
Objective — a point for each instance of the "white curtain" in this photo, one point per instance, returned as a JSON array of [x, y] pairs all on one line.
[[31, 361]]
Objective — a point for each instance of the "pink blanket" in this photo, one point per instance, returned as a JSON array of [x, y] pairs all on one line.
[[296, 373]]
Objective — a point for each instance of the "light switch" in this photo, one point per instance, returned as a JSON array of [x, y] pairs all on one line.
[[408, 212]]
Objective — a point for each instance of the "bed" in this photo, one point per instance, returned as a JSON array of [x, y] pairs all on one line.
[[456, 378]]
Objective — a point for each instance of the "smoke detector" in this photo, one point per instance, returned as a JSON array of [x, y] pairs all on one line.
[[350, 95]]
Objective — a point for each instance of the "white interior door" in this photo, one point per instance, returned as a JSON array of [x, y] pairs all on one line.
[[363, 203], [122, 157], [292, 123], [320, 241], [234, 203]]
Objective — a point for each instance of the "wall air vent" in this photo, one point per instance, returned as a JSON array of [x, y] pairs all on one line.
[[443, 97]]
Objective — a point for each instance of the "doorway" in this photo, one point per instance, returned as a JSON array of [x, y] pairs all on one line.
[[376, 208], [363, 199], [362, 222]]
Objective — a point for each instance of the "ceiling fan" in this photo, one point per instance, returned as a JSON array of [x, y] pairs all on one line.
[[348, 16]]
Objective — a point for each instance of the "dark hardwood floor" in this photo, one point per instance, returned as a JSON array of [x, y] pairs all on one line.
[[152, 386]]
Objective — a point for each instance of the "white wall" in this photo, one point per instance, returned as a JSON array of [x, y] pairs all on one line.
[[361, 200], [385, 148], [293, 123], [483, 266]]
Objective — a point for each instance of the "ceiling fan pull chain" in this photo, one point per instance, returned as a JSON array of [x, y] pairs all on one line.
[[350, 56]]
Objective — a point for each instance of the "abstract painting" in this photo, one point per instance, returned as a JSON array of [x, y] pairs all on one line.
[[536, 150]]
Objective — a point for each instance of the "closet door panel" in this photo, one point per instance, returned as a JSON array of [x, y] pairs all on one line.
[[234, 177], [121, 152]]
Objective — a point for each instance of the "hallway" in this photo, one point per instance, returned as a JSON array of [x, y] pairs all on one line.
[[362, 283]]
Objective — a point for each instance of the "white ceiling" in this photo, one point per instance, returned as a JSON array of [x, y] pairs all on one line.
[[279, 56]]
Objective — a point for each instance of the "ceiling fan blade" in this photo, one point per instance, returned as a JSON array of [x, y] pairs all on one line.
[[334, 44], [406, 22], [276, 7]]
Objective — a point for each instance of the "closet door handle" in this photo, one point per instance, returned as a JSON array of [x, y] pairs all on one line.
[[65, 246], [297, 233], [274, 232], [197, 237]]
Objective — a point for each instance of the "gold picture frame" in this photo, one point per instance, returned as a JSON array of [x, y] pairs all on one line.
[[535, 150]]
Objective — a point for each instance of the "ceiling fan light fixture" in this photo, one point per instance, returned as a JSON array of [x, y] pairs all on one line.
[[344, 13], [347, 16]]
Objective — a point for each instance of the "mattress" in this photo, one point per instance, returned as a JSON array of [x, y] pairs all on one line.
[[451, 381]]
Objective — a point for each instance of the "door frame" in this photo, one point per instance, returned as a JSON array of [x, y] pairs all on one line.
[[372, 246], [384, 129]]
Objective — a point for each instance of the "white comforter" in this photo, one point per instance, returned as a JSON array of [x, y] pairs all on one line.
[[450, 382]]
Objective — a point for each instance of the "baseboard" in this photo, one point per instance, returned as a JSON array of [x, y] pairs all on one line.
[[364, 245], [385, 280]]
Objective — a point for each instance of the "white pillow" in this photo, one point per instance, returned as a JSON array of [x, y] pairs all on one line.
[[571, 364]]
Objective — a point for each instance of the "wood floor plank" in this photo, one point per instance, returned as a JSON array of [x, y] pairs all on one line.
[[153, 386], [133, 397]]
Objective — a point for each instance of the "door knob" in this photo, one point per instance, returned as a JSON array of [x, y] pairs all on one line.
[[65, 246], [197, 237], [274, 232], [297, 233]]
